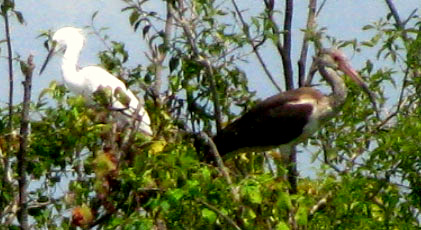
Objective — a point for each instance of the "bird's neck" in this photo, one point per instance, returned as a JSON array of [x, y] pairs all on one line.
[[337, 84], [70, 61]]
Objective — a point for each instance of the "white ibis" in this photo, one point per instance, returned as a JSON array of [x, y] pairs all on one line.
[[292, 116], [87, 80]]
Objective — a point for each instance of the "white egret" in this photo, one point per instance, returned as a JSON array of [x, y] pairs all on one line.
[[87, 80]]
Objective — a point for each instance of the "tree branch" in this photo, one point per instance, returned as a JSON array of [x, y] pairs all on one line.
[[215, 209], [254, 46], [204, 61], [27, 69], [320, 205], [286, 54], [399, 24], [10, 66], [161, 55], [311, 18]]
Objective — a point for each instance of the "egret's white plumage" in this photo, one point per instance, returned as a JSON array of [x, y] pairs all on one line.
[[85, 81]]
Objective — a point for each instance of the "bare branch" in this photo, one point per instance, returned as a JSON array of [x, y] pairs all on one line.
[[399, 24], [6, 162], [394, 13], [311, 18], [321, 7], [286, 54], [27, 69]]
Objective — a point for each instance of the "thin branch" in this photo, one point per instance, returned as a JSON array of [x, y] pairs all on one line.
[[286, 54], [292, 170], [217, 157], [304, 49], [254, 46], [220, 163], [24, 144], [215, 209], [394, 13], [321, 7], [399, 24], [320, 205], [10, 66], [401, 101]]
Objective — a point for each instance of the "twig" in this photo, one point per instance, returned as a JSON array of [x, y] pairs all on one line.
[[220, 163], [394, 13], [217, 156], [215, 209], [254, 46], [400, 25], [304, 49], [321, 204], [327, 161], [321, 7], [401, 101], [24, 143]]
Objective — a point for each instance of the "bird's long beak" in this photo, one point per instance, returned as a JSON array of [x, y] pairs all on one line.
[[352, 73], [50, 54]]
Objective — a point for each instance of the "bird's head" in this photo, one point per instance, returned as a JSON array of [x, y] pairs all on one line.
[[336, 59], [68, 35], [62, 39]]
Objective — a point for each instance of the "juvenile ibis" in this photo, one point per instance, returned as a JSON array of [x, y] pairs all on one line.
[[292, 116], [88, 80]]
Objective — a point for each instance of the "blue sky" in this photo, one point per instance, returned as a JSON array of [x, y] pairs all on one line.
[[343, 19]]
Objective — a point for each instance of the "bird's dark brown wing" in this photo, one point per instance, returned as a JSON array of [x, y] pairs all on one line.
[[275, 121]]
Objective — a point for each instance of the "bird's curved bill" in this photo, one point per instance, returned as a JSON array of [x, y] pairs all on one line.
[[352, 73], [50, 54]]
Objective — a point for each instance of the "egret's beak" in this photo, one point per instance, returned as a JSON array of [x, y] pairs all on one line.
[[50, 54]]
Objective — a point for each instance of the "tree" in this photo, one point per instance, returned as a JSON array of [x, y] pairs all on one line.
[[193, 84]]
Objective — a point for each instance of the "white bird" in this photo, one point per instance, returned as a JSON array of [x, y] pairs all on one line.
[[87, 80]]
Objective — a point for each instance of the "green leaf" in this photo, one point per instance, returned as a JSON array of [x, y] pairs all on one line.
[[134, 16], [19, 16], [284, 201], [301, 217], [253, 194], [367, 27], [176, 194], [282, 226], [209, 215]]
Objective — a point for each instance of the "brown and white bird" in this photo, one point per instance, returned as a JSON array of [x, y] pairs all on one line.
[[292, 116]]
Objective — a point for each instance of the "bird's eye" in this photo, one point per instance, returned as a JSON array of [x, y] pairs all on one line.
[[337, 58]]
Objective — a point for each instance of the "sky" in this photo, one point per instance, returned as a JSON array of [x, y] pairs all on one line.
[[342, 18]]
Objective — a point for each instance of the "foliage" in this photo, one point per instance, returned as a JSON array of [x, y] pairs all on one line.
[[89, 173]]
